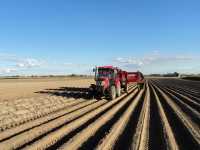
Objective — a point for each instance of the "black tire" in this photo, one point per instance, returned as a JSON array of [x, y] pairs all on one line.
[[112, 92], [140, 86], [126, 88], [118, 91], [92, 91]]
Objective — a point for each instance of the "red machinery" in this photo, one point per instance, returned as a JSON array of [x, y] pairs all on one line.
[[111, 80]]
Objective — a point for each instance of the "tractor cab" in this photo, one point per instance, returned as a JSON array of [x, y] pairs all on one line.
[[104, 76], [107, 81], [105, 72]]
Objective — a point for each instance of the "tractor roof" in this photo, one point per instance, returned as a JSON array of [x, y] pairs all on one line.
[[111, 67], [107, 67]]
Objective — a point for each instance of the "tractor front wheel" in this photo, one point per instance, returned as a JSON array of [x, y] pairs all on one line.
[[112, 92]]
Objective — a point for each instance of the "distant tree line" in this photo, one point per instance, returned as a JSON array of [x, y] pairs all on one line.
[[45, 76], [174, 74], [195, 78]]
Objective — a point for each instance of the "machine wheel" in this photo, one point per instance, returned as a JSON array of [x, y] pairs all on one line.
[[112, 92], [92, 91], [118, 90], [126, 88], [141, 86], [138, 86]]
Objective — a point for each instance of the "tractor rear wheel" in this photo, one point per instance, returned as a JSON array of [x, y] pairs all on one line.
[[118, 90], [112, 92], [126, 88]]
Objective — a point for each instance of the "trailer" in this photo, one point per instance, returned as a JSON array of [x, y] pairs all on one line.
[[111, 81], [136, 77]]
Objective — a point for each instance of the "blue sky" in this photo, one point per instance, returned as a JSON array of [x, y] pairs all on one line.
[[72, 36]]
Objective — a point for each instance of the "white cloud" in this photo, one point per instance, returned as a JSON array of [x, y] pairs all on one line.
[[184, 57], [153, 58], [7, 70], [133, 61], [155, 61], [12, 64], [29, 63], [152, 63], [20, 62], [75, 65]]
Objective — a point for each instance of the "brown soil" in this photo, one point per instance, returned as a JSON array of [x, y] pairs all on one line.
[[59, 114], [22, 88]]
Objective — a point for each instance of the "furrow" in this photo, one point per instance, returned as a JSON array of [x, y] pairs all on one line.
[[170, 139], [195, 97], [194, 115], [30, 118], [192, 102], [53, 137], [21, 139], [141, 138], [191, 126], [29, 125], [111, 138]]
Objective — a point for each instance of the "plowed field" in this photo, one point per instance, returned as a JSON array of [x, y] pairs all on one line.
[[164, 115]]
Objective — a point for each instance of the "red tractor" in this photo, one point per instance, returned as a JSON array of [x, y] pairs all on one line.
[[110, 81]]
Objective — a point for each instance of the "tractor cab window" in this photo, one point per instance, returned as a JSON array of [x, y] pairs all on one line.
[[105, 73]]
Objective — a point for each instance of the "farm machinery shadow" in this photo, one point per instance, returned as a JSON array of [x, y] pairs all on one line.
[[71, 92]]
